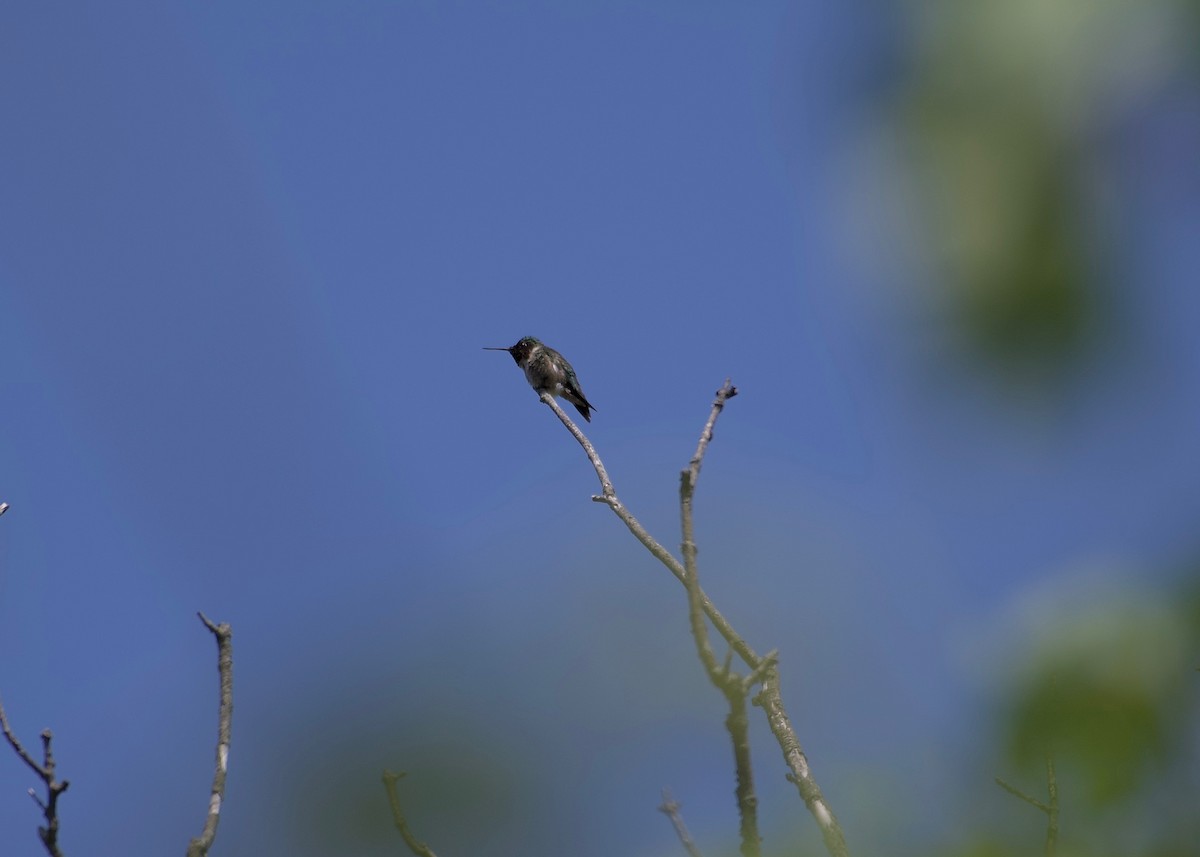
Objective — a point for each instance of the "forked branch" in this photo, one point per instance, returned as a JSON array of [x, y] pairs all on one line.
[[608, 497], [763, 670], [45, 772]]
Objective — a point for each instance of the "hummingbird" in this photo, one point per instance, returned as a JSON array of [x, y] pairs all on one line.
[[547, 371]]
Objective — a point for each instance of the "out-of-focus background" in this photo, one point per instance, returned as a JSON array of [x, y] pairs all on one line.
[[947, 251]]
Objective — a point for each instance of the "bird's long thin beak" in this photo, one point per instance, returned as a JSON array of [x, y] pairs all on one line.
[[489, 348]]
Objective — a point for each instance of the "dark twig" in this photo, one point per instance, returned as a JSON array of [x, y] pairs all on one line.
[[416, 846], [1051, 808], [670, 809], [45, 772], [223, 633], [769, 697]]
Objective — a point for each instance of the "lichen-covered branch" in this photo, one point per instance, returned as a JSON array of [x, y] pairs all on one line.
[[799, 774], [223, 633]]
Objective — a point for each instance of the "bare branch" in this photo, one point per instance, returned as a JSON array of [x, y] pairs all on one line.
[[738, 725], [691, 580], [416, 846], [769, 697], [717, 673], [727, 392], [731, 685], [670, 809], [45, 771], [1051, 808], [223, 633]]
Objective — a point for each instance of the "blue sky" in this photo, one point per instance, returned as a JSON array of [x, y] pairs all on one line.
[[248, 257]]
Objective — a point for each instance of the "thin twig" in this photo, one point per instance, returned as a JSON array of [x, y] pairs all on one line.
[[691, 581], [727, 392], [670, 809], [15, 743], [1051, 808], [416, 846], [717, 673], [1016, 792], [45, 771], [1052, 815], [223, 633]]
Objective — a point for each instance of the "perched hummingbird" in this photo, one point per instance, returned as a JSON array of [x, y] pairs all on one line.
[[548, 371]]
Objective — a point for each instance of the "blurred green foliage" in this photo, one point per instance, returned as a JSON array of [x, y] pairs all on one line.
[[1006, 111], [1108, 688], [1002, 207], [1003, 110], [1108, 693]]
